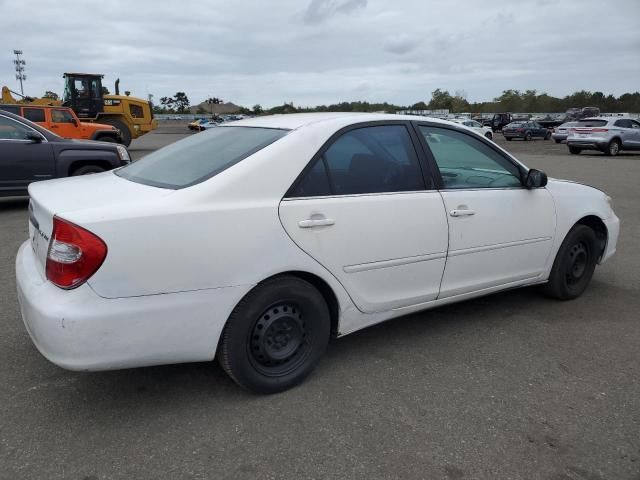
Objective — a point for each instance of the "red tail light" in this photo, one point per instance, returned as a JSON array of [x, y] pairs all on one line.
[[74, 254], [600, 130]]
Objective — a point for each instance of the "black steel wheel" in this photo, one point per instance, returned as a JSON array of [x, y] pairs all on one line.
[[276, 335], [527, 136], [574, 264]]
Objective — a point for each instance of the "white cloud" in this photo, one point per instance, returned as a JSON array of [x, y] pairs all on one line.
[[324, 51]]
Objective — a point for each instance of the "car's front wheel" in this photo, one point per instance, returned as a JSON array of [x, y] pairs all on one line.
[[276, 335], [489, 135], [87, 170], [527, 136], [574, 264]]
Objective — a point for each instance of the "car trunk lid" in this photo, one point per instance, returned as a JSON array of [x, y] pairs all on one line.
[[67, 195]]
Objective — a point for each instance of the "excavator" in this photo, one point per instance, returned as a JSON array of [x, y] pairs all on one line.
[[83, 93]]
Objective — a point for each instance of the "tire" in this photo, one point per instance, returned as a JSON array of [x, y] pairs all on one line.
[[575, 150], [275, 336], [613, 148], [124, 130], [489, 135], [87, 170], [558, 141], [574, 264], [527, 136], [508, 139], [547, 136]]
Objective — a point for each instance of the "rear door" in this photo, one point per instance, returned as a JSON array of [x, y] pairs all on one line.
[[635, 135], [364, 210], [499, 232], [22, 161]]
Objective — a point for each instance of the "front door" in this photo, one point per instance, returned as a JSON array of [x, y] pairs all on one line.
[[22, 161], [365, 211], [499, 232], [63, 123]]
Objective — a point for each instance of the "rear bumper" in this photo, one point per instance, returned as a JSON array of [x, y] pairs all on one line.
[[79, 330], [588, 143], [559, 136]]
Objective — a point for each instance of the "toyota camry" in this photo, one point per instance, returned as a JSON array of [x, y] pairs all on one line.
[[257, 241]]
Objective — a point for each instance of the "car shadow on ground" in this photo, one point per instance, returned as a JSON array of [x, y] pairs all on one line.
[[14, 203]]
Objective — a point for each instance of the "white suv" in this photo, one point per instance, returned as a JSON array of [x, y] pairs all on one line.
[[607, 134]]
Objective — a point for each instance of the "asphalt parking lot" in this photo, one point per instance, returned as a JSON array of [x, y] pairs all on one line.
[[510, 386]]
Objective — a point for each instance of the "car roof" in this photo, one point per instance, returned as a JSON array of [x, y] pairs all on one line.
[[26, 105], [294, 121]]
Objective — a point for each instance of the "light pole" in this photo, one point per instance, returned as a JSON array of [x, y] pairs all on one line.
[[19, 63]]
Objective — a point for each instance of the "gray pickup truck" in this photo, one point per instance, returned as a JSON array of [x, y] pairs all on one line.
[[29, 153]]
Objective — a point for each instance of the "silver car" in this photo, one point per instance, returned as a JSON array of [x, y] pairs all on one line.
[[607, 134], [561, 133]]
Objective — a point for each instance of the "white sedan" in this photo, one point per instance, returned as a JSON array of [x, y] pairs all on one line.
[[477, 126], [257, 241]]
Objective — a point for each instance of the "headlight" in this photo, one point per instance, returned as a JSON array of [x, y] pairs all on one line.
[[123, 154]]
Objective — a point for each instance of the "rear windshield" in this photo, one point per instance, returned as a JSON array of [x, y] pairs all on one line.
[[592, 123], [197, 158]]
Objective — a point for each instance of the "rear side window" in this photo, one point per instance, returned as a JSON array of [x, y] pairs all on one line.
[[365, 160], [197, 158], [592, 123], [11, 109], [624, 123], [34, 114]]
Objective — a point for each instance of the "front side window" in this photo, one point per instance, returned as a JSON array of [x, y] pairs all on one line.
[[364, 160], [136, 111], [467, 162], [61, 116], [34, 114], [12, 130], [197, 158]]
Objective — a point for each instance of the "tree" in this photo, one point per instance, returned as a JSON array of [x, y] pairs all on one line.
[[181, 101], [105, 91], [51, 95], [257, 109], [440, 99]]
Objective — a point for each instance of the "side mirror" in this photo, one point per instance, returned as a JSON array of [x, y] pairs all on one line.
[[535, 179], [34, 137]]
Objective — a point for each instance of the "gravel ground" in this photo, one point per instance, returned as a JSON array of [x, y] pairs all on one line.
[[511, 386]]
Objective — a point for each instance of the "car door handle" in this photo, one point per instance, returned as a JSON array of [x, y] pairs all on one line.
[[319, 222], [461, 213]]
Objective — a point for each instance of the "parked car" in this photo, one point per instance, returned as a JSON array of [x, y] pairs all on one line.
[[472, 124], [526, 131], [562, 132], [29, 153], [197, 124], [609, 135], [256, 241], [64, 122], [501, 120]]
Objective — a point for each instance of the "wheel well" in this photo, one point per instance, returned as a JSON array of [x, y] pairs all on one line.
[[598, 226], [326, 291], [83, 163]]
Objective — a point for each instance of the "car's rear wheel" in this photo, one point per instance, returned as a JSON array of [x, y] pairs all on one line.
[[575, 150], [87, 170], [574, 264], [527, 136], [276, 335], [613, 148]]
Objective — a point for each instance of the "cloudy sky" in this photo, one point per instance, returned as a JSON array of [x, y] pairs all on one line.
[[324, 51]]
